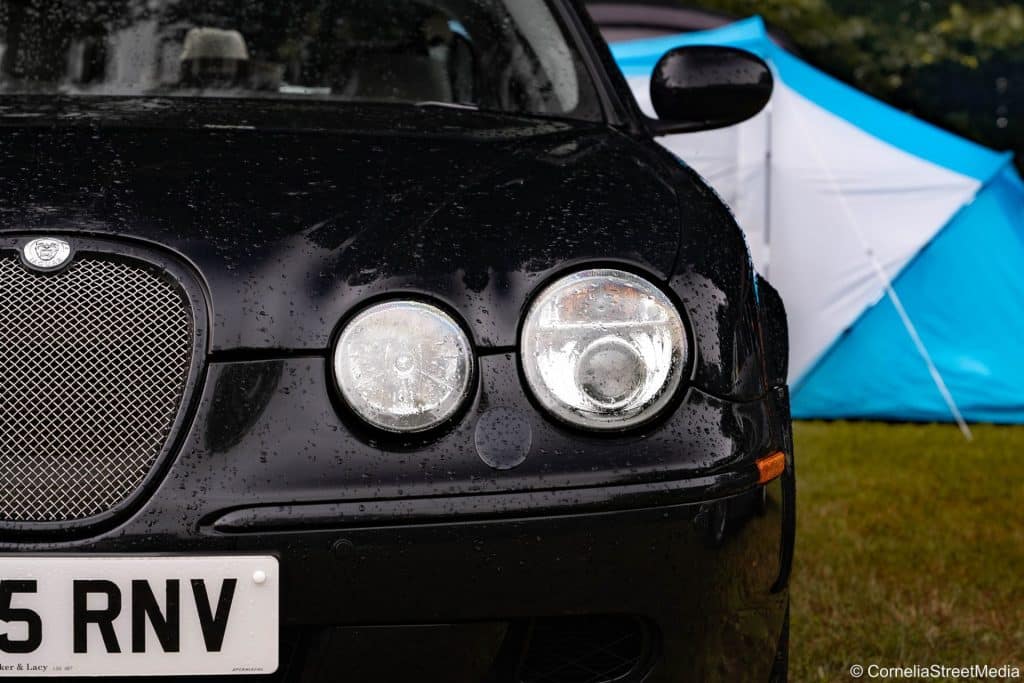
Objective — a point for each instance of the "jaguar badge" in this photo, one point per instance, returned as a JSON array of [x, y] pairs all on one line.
[[46, 254]]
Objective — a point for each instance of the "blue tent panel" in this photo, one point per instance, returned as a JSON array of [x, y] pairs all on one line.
[[965, 294], [638, 57]]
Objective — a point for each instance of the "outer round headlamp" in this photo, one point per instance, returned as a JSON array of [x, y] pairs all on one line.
[[603, 349]]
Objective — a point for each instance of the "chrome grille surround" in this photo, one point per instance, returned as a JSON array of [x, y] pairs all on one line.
[[95, 365]]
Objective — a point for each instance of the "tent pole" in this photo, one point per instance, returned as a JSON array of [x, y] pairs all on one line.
[[933, 370]]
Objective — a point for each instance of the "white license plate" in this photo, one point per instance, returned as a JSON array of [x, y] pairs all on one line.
[[138, 616]]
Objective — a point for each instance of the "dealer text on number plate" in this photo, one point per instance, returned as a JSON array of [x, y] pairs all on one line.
[[138, 616]]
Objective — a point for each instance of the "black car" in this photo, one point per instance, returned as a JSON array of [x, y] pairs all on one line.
[[378, 340]]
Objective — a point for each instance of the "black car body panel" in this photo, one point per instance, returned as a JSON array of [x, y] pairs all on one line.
[[294, 229], [410, 557]]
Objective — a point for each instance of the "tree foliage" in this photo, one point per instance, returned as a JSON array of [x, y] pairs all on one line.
[[957, 63]]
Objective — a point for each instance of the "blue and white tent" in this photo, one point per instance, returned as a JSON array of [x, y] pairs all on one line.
[[897, 247]]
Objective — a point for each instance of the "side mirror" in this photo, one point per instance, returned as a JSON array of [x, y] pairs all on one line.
[[702, 87]]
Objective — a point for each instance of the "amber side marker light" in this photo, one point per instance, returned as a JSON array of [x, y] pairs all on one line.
[[771, 467]]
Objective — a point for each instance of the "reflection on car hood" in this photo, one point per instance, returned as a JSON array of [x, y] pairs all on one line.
[[294, 215]]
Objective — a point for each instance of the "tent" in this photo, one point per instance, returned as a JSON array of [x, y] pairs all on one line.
[[897, 247]]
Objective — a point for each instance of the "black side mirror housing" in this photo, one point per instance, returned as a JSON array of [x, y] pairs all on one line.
[[702, 87]]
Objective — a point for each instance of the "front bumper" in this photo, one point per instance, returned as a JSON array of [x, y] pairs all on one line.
[[417, 561]]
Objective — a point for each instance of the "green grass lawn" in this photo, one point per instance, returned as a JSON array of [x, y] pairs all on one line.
[[910, 548]]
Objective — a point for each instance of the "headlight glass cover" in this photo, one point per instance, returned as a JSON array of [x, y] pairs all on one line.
[[603, 349], [403, 366]]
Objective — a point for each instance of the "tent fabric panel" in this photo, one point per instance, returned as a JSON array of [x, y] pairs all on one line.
[[821, 201], [845, 204], [887, 123], [965, 293], [638, 57]]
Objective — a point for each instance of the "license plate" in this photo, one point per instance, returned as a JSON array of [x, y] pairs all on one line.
[[138, 616]]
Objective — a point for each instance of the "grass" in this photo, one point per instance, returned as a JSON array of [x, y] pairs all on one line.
[[910, 548]]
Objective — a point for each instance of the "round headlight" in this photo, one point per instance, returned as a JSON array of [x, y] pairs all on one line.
[[403, 366], [603, 349]]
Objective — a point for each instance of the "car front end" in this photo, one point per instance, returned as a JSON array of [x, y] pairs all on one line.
[[386, 393]]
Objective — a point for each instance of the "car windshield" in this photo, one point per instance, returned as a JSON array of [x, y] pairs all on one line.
[[498, 55]]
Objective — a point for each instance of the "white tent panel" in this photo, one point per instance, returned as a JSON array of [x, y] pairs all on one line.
[[827, 208], [843, 203]]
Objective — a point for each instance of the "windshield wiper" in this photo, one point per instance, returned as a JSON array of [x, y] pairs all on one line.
[[447, 105]]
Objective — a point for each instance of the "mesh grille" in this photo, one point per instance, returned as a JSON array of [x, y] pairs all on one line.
[[93, 367], [585, 650]]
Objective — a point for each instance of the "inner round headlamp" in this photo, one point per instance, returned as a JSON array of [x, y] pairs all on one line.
[[403, 366]]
